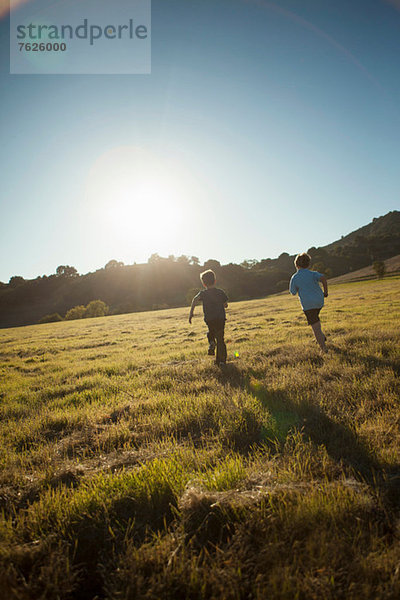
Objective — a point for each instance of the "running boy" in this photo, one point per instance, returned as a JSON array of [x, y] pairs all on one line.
[[306, 284], [214, 303]]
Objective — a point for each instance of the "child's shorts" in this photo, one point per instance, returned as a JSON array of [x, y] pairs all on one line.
[[312, 315]]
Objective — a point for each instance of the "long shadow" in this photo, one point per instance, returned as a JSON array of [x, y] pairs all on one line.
[[371, 362], [341, 443]]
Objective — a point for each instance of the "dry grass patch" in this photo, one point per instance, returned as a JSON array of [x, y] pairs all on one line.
[[132, 467]]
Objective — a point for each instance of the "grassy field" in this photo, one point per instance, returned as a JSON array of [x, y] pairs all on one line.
[[132, 467]]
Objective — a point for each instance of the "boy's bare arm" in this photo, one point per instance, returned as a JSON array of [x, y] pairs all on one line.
[[194, 302], [325, 285]]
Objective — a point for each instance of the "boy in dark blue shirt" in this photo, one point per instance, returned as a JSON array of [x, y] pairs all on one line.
[[214, 303]]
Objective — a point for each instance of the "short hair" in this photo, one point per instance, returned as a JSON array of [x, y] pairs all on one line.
[[208, 277], [302, 260]]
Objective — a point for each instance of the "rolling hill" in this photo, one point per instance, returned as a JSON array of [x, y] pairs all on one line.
[[392, 266], [387, 225], [171, 282]]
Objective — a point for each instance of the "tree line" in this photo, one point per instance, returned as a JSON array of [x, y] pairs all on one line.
[[167, 282]]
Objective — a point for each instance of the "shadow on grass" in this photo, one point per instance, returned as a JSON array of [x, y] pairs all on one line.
[[341, 443], [371, 362]]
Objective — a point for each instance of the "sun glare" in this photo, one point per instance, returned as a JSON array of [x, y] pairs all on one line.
[[137, 198]]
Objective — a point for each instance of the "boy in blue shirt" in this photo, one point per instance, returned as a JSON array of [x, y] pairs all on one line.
[[214, 303], [306, 284]]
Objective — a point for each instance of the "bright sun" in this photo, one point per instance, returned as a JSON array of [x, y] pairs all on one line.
[[136, 197]]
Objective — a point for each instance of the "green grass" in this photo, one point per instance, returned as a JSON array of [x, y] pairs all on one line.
[[132, 467]]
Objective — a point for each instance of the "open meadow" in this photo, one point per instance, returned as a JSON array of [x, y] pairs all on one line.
[[132, 467]]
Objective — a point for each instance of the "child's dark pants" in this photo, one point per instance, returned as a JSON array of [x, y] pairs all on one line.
[[215, 333]]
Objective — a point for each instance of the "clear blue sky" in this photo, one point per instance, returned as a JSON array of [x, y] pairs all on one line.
[[263, 128]]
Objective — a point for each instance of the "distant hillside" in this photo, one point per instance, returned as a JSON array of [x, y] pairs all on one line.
[[172, 282], [388, 225], [379, 240], [392, 266]]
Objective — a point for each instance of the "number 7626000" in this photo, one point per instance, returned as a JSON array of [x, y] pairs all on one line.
[[42, 47]]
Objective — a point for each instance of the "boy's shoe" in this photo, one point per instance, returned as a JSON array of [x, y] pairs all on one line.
[[211, 349]]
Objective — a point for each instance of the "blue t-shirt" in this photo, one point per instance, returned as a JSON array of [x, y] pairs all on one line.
[[306, 284]]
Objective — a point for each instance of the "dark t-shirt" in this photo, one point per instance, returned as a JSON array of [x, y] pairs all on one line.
[[213, 300]]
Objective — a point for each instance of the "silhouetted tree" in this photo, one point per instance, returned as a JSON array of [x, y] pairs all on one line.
[[183, 260], [284, 262], [96, 308], [66, 271], [265, 263], [194, 260], [112, 264], [77, 312], [212, 264], [154, 258], [15, 281], [51, 318], [379, 268]]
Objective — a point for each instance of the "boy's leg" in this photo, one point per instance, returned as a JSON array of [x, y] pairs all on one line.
[[312, 316], [319, 335], [221, 346], [211, 339]]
